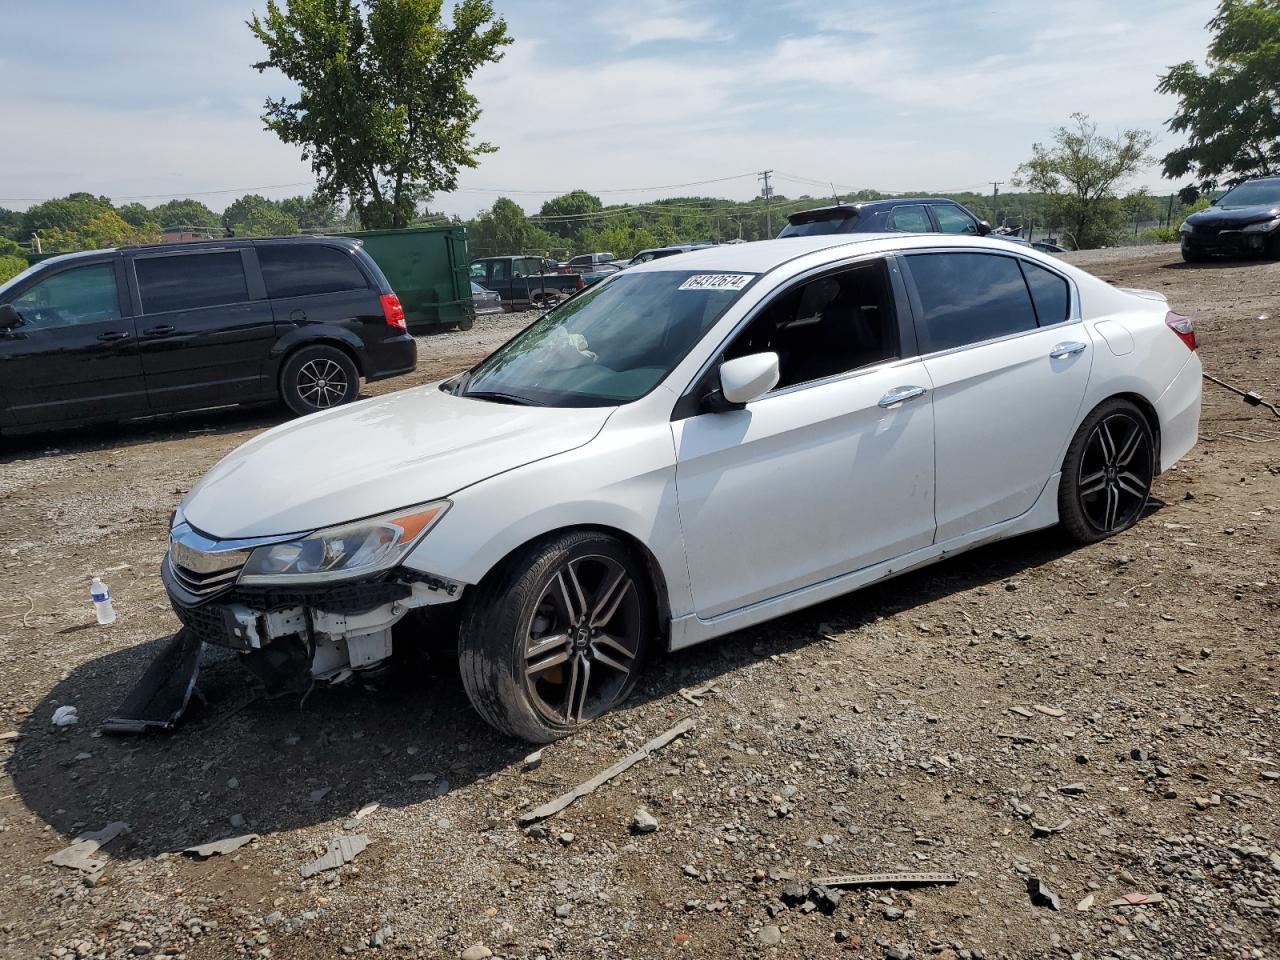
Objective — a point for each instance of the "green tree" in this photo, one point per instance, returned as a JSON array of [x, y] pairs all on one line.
[[1080, 173], [501, 230], [573, 204], [109, 229], [1231, 112], [135, 213], [68, 213], [313, 212], [11, 266], [256, 216], [184, 213], [383, 112]]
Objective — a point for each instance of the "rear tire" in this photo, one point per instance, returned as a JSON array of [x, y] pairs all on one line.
[[318, 378], [557, 636], [1107, 472]]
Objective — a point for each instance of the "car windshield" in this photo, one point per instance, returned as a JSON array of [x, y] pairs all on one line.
[[610, 344], [814, 228], [1259, 193]]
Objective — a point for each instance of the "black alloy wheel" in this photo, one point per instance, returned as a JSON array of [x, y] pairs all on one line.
[[1108, 472]]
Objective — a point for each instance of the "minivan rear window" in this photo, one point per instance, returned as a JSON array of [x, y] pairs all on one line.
[[301, 270], [188, 281]]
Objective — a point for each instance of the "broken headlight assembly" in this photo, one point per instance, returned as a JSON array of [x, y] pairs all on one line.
[[337, 553]]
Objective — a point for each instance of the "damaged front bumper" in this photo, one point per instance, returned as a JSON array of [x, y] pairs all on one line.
[[292, 636]]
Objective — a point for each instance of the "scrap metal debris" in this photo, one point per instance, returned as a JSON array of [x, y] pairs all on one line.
[[583, 789], [359, 815], [342, 849], [79, 856], [695, 695], [1039, 830], [220, 847], [1041, 895], [161, 696], [907, 879], [1137, 900]]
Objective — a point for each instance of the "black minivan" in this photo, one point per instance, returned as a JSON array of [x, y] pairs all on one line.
[[114, 334]]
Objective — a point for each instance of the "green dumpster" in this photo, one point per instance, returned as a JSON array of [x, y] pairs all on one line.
[[428, 269]]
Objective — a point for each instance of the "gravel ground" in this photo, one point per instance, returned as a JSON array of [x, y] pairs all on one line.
[[1088, 722]]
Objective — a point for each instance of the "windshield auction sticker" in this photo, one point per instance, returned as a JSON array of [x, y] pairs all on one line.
[[716, 281]]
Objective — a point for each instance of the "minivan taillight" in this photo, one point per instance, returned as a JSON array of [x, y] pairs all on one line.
[[582, 284], [1184, 327], [392, 311]]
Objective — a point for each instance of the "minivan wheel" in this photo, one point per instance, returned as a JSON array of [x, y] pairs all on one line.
[[557, 636], [318, 378], [1107, 473]]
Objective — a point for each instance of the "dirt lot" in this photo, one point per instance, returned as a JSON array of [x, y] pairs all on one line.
[[1127, 690]]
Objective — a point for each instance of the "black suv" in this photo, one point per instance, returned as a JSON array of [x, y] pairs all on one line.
[[114, 334], [901, 215]]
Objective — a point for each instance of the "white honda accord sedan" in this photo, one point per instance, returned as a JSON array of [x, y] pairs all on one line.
[[690, 447]]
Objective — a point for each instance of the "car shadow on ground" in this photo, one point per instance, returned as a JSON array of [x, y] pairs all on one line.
[[399, 739], [1221, 263], [106, 437]]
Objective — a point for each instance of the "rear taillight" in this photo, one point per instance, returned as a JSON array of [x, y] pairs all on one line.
[[1184, 327], [582, 284], [392, 311]]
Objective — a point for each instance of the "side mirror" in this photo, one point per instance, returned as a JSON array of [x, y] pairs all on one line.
[[744, 379], [9, 316], [983, 228]]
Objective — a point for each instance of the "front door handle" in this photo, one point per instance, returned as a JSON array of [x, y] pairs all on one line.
[[113, 335], [161, 331], [1063, 350], [901, 395]]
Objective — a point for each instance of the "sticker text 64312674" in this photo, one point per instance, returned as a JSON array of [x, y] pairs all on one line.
[[716, 281]]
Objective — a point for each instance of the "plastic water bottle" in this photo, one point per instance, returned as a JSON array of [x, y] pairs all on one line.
[[101, 594]]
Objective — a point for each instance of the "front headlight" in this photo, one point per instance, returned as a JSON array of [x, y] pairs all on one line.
[[1266, 226], [353, 549], [1186, 227]]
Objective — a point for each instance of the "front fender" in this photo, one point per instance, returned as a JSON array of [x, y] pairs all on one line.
[[623, 480]]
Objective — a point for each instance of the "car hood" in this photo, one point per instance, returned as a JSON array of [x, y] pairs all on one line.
[[376, 456], [1234, 216]]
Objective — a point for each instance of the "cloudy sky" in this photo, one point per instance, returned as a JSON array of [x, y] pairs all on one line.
[[152, 99]]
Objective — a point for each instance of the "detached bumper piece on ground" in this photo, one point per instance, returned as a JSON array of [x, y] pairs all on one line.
[[160, 698]]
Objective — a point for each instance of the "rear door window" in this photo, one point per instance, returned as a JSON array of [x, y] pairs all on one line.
[[300, 270], [191, 280], [968, 298], [1049, 293], [912, 218], [954, 220]]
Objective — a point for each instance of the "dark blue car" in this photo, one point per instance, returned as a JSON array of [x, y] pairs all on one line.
[[899, 215]]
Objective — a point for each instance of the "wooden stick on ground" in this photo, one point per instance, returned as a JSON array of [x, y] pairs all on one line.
[[551, 808]]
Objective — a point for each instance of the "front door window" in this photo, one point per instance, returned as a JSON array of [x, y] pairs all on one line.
[[71, 297]]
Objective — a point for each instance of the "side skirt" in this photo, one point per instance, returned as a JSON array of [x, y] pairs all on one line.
[[689, 630]]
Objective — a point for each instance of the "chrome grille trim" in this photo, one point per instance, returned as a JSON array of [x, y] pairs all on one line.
[[206, 567]]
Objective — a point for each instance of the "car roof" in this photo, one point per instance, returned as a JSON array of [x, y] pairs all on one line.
[[191, 245], [762, 256], [832, 211]]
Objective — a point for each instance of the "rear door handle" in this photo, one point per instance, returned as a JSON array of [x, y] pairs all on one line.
[[161, 331], [1063, 350], [901, 395], [111, 335]]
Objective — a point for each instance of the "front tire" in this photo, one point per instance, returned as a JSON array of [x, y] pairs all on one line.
[[557, 636], [1192, 255], [1107, 473], [318, 378]]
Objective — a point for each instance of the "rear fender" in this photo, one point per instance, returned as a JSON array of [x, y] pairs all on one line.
[[322, 334]]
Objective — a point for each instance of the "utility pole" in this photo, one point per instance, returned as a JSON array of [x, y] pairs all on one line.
[[767, 193], [995, 192]]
